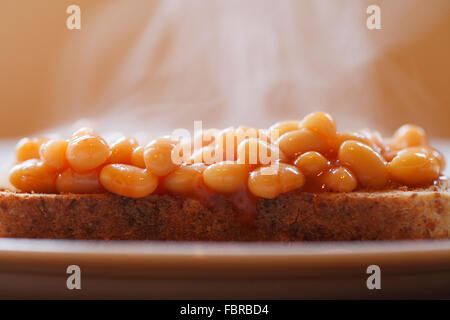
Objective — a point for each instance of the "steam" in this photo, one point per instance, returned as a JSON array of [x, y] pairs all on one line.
[[233, 62], [144, 68]]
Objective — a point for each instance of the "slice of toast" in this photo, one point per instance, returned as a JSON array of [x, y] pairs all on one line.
[[295, 216]]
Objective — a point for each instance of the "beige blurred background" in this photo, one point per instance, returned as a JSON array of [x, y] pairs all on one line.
[[155, 65]]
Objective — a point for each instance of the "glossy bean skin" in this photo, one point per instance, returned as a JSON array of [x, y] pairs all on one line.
[[377, 142], [33, 175], [128, 181], [409, 135], [122, 150], [270, 181], [185, 179], [254, 151], [87, 153], [70, 181], [282, 127], [28, 148], [53, 153], [301, 141], [414, 167], [137, 157], [312, 163], [321, 123], [158, 156], [368, 165], [341, 137], [226, 176], [340, 179], [206, 155], [264, 182], [291, 178], [226, 145], [440, 157], [182, 153], [431, 152], [229, 139]]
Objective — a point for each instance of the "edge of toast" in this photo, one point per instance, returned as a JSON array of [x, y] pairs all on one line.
[[420, 213]]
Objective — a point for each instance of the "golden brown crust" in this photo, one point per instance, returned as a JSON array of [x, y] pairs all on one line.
[[295, 216]]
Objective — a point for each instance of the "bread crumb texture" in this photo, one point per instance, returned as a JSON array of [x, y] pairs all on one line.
[[294, 216]]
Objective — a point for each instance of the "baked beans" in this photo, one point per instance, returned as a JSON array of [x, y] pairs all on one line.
[[226, 176], [206, 155], [70, 181], [264, 182], [53, 153], [290, 155], [86, 153], [33, 175], [137, 157], [368, 165], [321, 123], [122, 150], [282, 127], [185, 179], [28, 148], [255, 151], [409, 135], [312, 163], [414, 167], [127, 180], [340, 180], [301, 141], [158, 156], [270, 181]]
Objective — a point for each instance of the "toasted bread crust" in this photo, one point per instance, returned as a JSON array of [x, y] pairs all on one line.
[[295, 216]]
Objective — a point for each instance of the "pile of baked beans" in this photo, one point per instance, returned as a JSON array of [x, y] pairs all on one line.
[[309, 154]]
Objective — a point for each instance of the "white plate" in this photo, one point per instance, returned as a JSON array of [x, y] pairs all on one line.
[[148, 269], [163, 270]]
